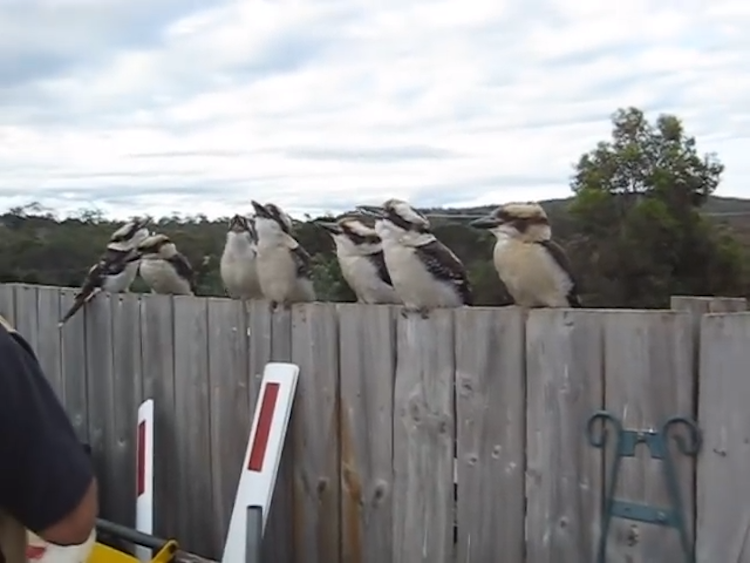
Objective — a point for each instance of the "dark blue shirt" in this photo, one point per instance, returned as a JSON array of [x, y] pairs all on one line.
[[44, 470]]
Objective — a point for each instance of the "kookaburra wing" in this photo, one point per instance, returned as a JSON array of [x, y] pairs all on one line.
[[106, 275], [534, 269], [284, 267], [425, 273], [164, 269], [360, 256], [444, 265]]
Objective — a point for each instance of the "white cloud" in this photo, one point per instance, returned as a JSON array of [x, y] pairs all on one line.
[[201, 105]]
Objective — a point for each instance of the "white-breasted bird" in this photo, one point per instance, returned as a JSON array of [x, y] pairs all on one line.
[[114, 271], [425, 273], [533, 267], [284, 267], [359, 251], [164, 269], [238, 266]]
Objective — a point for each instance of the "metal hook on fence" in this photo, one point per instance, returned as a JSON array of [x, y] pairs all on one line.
[[657, 443]]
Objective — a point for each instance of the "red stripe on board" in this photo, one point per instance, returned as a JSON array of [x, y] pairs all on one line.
[[258, 451], [141, 470]]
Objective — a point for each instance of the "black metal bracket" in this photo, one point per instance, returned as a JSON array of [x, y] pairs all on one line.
[[657, 443]]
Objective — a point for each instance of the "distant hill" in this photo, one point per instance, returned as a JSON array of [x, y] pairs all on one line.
[[715, 206]]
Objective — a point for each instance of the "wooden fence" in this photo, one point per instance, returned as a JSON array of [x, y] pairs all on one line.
[[367, 474]]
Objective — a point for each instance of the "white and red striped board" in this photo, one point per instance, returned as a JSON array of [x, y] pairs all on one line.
[[260, 466], [144, 475]]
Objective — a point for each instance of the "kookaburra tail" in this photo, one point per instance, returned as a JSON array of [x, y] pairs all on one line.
[[534, 269], [425, 273], [360, 255], [115, 270], [284, 267]]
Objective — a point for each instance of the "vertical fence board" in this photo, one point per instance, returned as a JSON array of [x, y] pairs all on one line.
[[490, 420], [367, 352], [279, 536], [49, 352], [157, 351], [230, 406], [126, 351], [423, 439], [26, 299], [101, 398], [193, 420], [8, 302], [316, 478], [73, 367], [648, 379], [723, 526], [264, 328], [565, 386]]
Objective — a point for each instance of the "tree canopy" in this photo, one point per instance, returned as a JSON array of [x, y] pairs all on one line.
[[636, 229]]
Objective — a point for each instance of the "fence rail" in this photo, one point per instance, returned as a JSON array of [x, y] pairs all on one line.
[[383, 400]]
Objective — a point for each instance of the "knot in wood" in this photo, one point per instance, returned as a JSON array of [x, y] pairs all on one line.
[[632, 535], [322, 485], [415, 413], [496, 451], [381, 488], [472, 459], [443, 427]]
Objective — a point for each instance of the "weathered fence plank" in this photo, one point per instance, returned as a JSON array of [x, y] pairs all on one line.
[[648, 379], [27, 299], [270, 340], [191, 382], [8, 303], [157, 351], [49, 338], [127, 389], [230, 407], [490, 422], [317, 482], [423, 438], [723, 524], [367, 352], [100, 395], [564, 352], [73, 367]]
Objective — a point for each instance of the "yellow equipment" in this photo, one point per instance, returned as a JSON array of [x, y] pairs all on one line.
[[164, 551]]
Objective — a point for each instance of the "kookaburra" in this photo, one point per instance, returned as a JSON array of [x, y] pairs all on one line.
[[113, 272], [359, 251], [164, 269], [425, 273], [284, 267], [534, 269], [238, 266]]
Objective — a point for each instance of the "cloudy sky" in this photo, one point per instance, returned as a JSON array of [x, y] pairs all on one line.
[[200, 105]]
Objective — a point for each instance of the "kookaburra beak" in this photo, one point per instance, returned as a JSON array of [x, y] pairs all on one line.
[[260, 210], [486, 222], [371, 210], [330, 226]]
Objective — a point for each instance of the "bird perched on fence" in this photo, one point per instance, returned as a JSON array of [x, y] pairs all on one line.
[[163, 268], [425, 273], [238, 266], [284, 267], [359, 251], [534, 268], [113, 272]]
